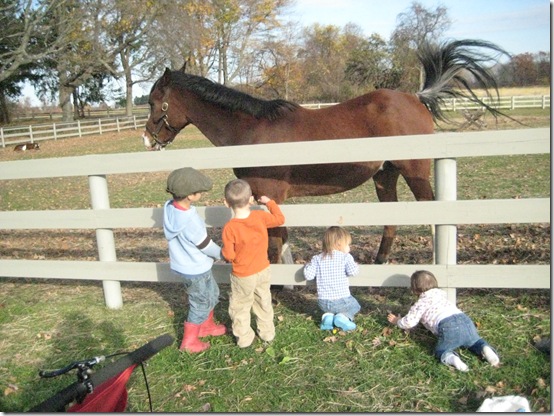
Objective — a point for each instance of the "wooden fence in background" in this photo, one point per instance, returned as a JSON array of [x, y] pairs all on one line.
[[444, 214], [104, 121]]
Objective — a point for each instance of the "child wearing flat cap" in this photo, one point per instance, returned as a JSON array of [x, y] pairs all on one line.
[[191, 255]]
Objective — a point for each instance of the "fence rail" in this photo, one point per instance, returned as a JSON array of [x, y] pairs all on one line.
[[504, 103], [443, 213], [106, 122], [39, 132]]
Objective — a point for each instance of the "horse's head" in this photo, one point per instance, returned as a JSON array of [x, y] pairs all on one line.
[[166, 119]]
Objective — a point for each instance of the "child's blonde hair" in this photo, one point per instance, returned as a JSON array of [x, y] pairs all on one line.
[[238, 193], [422, 281], [334, 239]]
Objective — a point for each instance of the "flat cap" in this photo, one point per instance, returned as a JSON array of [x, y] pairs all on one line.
[[187, 181]]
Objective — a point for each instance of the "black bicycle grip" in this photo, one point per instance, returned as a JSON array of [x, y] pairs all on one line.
[[61, 399]]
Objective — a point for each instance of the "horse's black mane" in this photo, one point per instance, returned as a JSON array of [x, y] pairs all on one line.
[[231, 99]]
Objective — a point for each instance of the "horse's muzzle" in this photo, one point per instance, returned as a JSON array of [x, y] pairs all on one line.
[[150, 144]]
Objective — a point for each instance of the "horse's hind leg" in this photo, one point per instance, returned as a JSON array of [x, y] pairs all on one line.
[[385, 184], [417, 174]]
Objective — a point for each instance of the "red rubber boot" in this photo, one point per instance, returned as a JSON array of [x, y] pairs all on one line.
[[209, 327], [191, 343]]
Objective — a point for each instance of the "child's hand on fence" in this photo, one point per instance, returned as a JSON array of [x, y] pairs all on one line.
[[264, 199]]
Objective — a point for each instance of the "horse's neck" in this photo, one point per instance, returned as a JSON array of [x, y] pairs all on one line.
[[219, 126]]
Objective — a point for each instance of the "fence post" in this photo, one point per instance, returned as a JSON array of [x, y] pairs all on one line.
[[446, 234], [105, 240], [2, 136], [99, 126]]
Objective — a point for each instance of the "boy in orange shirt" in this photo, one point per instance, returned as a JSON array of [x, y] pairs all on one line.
[[245, 244]]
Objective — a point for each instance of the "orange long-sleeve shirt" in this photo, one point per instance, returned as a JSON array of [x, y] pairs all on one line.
[[245, 241]]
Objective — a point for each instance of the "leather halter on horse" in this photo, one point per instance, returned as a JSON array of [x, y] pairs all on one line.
[[162, 122]]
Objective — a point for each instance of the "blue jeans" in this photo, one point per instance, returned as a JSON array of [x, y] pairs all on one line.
[[203, 294], [458, 331], [347, 306]]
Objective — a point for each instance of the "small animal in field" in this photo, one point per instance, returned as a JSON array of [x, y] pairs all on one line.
[[26, 146]]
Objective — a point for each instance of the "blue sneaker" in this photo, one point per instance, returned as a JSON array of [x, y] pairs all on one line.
[[327, 321], [343, 322]]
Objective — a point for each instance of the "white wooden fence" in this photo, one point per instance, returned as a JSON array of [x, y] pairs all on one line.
[[80, 128], [444, 213], [504, 103], [39, 132]]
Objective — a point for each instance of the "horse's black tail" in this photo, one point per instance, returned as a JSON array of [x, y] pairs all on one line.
[[447, 67]]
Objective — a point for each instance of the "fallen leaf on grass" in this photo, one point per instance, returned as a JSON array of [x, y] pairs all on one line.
[[376, 341], [12, 388], [386, 331], [331, 339]]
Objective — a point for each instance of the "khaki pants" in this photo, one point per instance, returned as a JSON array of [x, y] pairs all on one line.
[[251, 294]]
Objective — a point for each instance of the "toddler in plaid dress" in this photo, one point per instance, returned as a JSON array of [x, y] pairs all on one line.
[[331, 270]]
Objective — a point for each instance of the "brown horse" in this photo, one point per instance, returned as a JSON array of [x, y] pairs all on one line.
[[228, 117]]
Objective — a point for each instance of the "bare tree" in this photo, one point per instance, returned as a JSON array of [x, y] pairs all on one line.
[[218, 36], [419, 25], [277, 62], [324, 55], [416, 26], [106, 41], [130, 21], [28, 25]]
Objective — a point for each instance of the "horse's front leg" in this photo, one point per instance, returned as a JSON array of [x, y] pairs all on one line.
[[277, 237]]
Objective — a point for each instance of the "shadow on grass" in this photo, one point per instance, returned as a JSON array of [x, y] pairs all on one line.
[[90, 346]]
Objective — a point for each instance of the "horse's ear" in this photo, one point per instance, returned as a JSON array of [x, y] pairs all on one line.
[[165, 79], [184, 67]]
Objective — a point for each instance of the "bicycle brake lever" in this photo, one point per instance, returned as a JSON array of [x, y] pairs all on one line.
[[84, 364]]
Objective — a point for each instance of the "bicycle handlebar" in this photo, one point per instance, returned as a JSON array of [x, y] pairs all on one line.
[[77, 364], [70, 393]]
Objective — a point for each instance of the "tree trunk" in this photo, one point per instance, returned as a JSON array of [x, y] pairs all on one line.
[[128, 83], [4, 110], [65, 98]]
